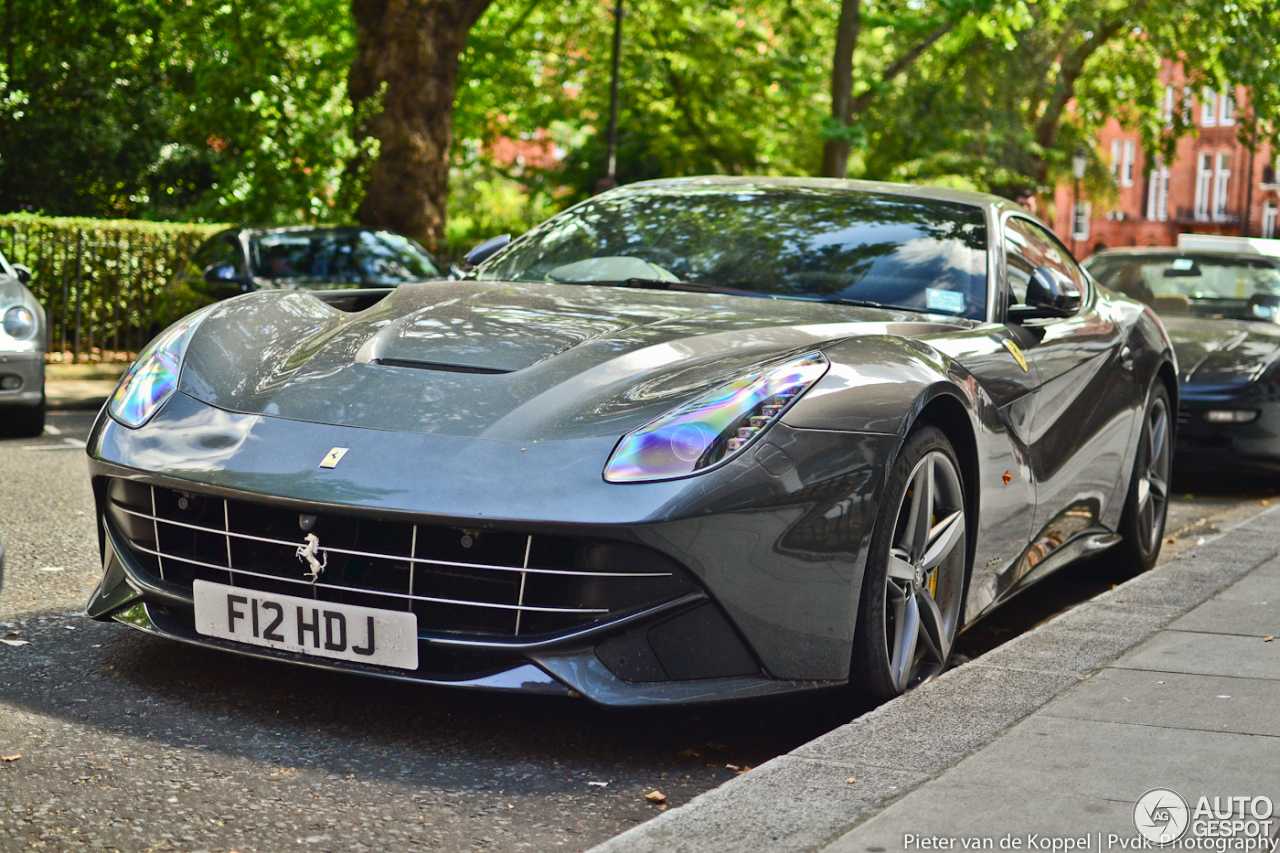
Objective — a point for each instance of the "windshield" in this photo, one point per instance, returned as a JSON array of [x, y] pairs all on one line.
[[347, 254], [1198, 285], [796, 243]]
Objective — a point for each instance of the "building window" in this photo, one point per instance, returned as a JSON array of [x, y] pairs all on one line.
[[1221, 178], [1269, 220], [1168, 104], [1226, 109], [1126, 169], [1080, 215], [1204, 179], [1208, 108], [1115, 160], [1158, 192]]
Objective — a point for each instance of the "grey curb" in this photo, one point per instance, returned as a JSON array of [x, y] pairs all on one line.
[[805, 799]]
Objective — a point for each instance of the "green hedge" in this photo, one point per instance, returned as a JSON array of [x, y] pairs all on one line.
[[107, 285]]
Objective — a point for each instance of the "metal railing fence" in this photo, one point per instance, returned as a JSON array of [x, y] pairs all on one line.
[[107, 286]]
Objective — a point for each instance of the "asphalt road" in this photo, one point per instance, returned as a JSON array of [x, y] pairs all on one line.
[[132, 743]]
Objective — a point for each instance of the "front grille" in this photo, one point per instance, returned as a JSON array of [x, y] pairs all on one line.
[[458, 581]]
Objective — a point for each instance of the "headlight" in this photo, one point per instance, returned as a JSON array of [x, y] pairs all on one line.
[[154, 376], [19, 323], [714, 427]]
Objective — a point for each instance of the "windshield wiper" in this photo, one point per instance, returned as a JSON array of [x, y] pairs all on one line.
[[684, 286], [864, 303]]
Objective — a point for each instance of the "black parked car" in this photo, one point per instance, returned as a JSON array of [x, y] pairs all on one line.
[[1222, 312], [306, 258]]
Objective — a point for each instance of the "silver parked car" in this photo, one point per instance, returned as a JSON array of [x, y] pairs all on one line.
[[22, 346]]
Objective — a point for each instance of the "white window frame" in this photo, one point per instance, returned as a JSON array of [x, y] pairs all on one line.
[[1081, 215], [1168, 104], [1221, 184], [1158, 192], [1269, 211], [1208, 108], [1126, 170], [1204, 181], [1115, 160], [1226, 110]]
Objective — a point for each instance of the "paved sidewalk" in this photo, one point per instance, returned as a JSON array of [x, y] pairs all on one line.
[[1166, 681], [78, 393]]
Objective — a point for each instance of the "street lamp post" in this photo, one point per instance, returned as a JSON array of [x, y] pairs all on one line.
[[1079, 161]]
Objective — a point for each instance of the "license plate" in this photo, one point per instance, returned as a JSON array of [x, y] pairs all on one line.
[[307, 626]]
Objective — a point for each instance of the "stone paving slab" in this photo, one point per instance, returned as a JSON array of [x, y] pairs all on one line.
[[1171, 700], [1035, 768], [1233, 616], [1206, 654]]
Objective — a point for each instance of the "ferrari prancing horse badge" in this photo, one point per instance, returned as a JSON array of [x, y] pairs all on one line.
[[335, 455], [1017, 354]]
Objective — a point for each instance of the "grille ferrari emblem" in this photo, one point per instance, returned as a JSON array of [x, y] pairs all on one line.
[[334, 456], [308, 551]]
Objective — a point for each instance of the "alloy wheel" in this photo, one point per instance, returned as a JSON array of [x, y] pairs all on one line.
[[1153, 469], [925, 572]]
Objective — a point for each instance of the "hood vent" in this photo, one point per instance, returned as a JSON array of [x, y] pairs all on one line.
[[441, 366]]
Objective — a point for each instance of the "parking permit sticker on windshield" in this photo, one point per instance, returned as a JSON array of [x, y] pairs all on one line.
[[945, 300], [1178, 264]]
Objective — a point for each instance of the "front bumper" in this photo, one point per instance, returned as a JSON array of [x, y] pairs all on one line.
[[1252, 447], [774, 560], [28, 367]]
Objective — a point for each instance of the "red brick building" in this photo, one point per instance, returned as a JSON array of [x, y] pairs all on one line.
[[1214, 186]]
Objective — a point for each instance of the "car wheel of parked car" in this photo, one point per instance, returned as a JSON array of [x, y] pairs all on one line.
[[1142, 523], [913, 590], [22, 421]]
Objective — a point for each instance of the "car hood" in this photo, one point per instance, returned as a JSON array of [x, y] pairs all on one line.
[[505, 361], [1222, 353]]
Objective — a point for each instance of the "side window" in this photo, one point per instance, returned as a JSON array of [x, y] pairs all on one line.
[[1027, 246], [219, 250]]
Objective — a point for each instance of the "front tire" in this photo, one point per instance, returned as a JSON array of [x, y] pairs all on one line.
[[1145, 508], [913, 589]]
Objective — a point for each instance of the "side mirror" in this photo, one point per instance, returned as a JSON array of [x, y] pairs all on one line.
[[221, 274], [486, 250], [1050, 293], [23, 272]]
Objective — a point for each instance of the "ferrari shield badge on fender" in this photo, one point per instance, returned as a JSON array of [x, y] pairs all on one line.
[[335, 455], [1009, 345]]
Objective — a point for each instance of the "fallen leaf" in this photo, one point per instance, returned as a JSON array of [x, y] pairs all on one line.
[[1125, 698], [9, 758], [1170, 541], [1265, 502], [599, 784], [733, 767], [852, 781], [15, 642], [690, 753], [743, 770], [1267, 639], [656, 797], [1121, 600], [1159, 682]]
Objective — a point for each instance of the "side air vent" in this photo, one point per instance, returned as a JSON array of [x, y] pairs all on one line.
[[436, 365]]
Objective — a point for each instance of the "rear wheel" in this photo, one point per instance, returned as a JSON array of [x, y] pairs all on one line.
[[913, 590], [22, 421], [1142, 524]]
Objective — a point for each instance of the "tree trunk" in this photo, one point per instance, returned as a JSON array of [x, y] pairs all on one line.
[[411, 48], [835, 154]]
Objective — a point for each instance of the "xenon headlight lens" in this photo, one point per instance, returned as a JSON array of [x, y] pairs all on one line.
[[154, 375], [19, 323], [715, 426]]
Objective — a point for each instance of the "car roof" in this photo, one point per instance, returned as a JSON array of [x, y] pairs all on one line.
[[729, 183]]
